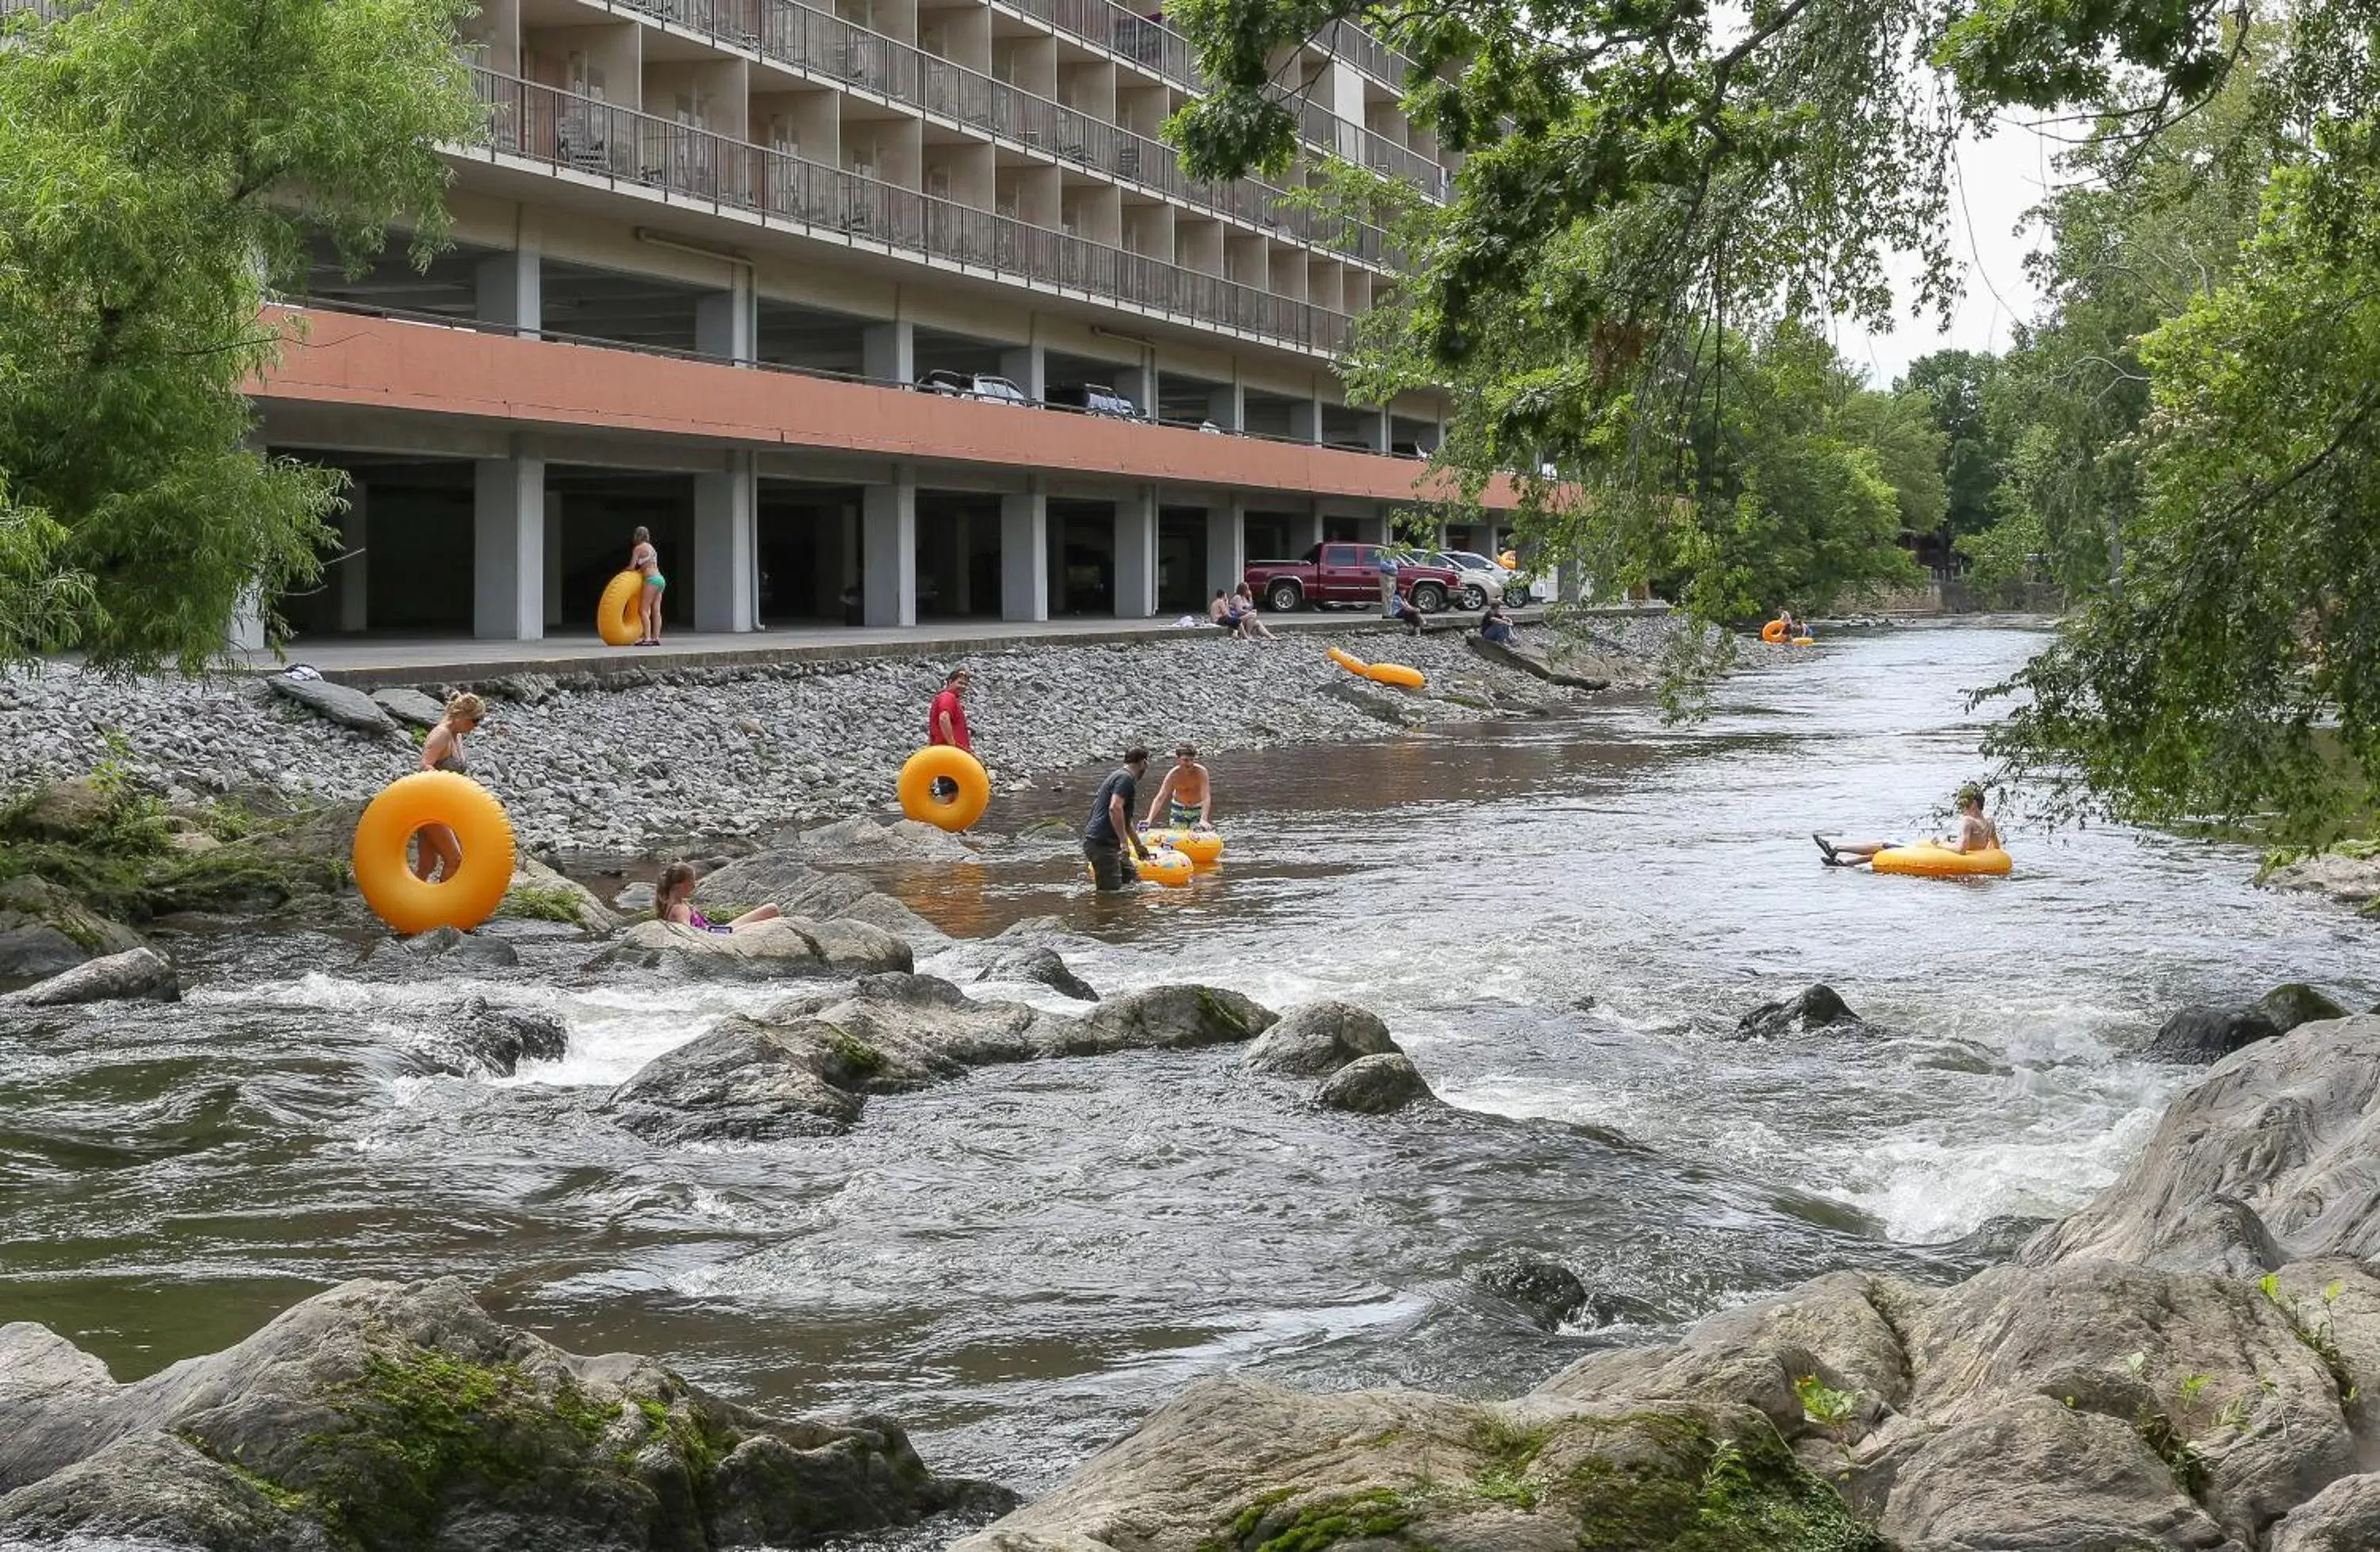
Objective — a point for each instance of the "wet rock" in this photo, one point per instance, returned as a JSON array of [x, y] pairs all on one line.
[[1374, 1085], [410, 707], [2343, 1517], [747, 1082], [634, 898], [1041, 966], [63, 811], [139, 974], [448, 945], [1817, 1007], [848, 841], [1317, 1038], [2350, 880], [479, 1039], [1167, 1018], [1239, 1465], [44, 931], [341, 704], [2201, 1033], [1549, 1291], [788, 947], [398, 1416], [781, 879], [2266, 1160], [1999, 1238]]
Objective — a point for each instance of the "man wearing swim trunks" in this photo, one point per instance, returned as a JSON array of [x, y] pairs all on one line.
[[1186, 794], [1109, 829]]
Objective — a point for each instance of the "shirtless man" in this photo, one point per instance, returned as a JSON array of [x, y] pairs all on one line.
[[1976, 833], [1186, 794]]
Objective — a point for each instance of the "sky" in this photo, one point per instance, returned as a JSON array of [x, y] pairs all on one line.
[[1997, 181]]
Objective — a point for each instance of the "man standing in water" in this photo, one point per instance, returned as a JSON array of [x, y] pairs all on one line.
[[1109, 829], [1186, 794], [946, 723]]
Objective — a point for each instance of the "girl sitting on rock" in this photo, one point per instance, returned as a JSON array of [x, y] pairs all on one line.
[[674, 902]]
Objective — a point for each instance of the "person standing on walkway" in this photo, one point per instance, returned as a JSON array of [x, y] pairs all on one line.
[[946, 723], [1388, 564], [1109, 829], [644, 558]]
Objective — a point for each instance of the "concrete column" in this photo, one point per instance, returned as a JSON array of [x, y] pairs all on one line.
[[1306, 421], [1135, 554], [553, 600], [355, 566], [1227, 538], [888, 352], [511, 290], [246, 632], [725, 323], [1025, 555], [1307, 533], [1228, 408], [888, 546], [1139, 385], [1375, 428], [508, 548], [726, 546], [1027, 366]]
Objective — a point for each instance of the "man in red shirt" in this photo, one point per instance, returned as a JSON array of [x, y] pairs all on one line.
[[946, 722]]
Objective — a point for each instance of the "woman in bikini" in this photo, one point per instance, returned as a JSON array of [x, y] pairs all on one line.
[[438, 852], [674, 902], [644, 558]]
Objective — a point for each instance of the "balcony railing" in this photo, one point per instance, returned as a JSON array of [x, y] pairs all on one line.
[[782, 27], [1367, 53], [564, 130]]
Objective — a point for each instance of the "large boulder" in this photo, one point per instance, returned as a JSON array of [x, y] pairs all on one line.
[[409, 706], [542, 893], [1547, 1290], [1039, 966], [1315, 1039], [2269, 1160], [135, 975], [1236, 1466], [388, 1417], [849, 842], [448, 946], [1374, 1085], [479, 1038], [746, 1082], [341, 704], [2343, 1517], [2349, 879], [2203, 1033], [782, 880], [1815, 1007], [1531, 661], [44, 930], [788, 947], [62, 811]]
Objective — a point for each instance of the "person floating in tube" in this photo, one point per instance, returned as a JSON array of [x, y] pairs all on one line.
[[1186, 794], [1110, 828], [1976, 833], [946, 723]]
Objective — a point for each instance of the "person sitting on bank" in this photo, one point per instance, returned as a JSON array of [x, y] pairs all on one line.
[[1243, 608], [1220, 612], [1186, 794], [1109, 829], [1496, 625], [1976, 833], [1406, 612], [674, 902]]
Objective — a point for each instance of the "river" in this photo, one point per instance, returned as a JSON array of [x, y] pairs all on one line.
[[1560, 920]]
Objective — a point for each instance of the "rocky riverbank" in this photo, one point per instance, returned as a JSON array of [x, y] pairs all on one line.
[[616, 764]]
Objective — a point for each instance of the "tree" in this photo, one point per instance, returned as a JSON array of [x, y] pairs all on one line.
[[162, 164], [1953, 383]]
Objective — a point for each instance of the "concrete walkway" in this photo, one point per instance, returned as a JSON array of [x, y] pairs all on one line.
[[372, 662]]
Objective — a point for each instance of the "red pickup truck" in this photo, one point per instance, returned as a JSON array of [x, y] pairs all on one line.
[[1346, 572]]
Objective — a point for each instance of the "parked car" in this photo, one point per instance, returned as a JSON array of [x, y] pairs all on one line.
[[1509, 583], [1478, 580], [1344, 572], [974, 385], [1094, 397]]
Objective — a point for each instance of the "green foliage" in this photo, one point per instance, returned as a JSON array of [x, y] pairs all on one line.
[[1826, 1407], [1951, 385], [161, 162], [121, 858], [542, 902]]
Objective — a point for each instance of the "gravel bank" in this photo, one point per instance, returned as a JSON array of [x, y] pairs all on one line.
[[617, 764]]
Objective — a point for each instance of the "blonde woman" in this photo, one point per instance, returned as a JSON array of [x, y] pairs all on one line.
[[439, 853]]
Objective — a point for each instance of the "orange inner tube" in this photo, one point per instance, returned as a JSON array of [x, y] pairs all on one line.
[[433, 797], [1395, 673], [1348, 661], [1171, 869], [1773, 631], [944, 762], [619, 619]]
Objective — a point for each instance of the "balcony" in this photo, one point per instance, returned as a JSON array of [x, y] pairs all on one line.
[[576, 134]]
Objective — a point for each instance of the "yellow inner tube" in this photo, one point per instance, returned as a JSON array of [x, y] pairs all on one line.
[[947, 762], [1774, 631], [619, 619], [1395, 673], [1806, 641], [1171, 868], [1349, 662], [1927, 860], [1201, 846], [429, 797]]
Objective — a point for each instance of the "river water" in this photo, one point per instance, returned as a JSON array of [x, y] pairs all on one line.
[[1561, 921]]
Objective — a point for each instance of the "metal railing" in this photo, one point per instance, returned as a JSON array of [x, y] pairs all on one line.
[[1354, 142], [830, 48], [541, 123], [1368, 55]]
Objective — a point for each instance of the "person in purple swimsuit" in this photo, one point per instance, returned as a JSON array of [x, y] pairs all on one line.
[[674, 902]]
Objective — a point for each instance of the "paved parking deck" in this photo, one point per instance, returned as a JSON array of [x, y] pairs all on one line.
[[372, 662]]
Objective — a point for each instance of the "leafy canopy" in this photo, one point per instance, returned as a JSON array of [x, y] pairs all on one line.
[[160, 162]]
